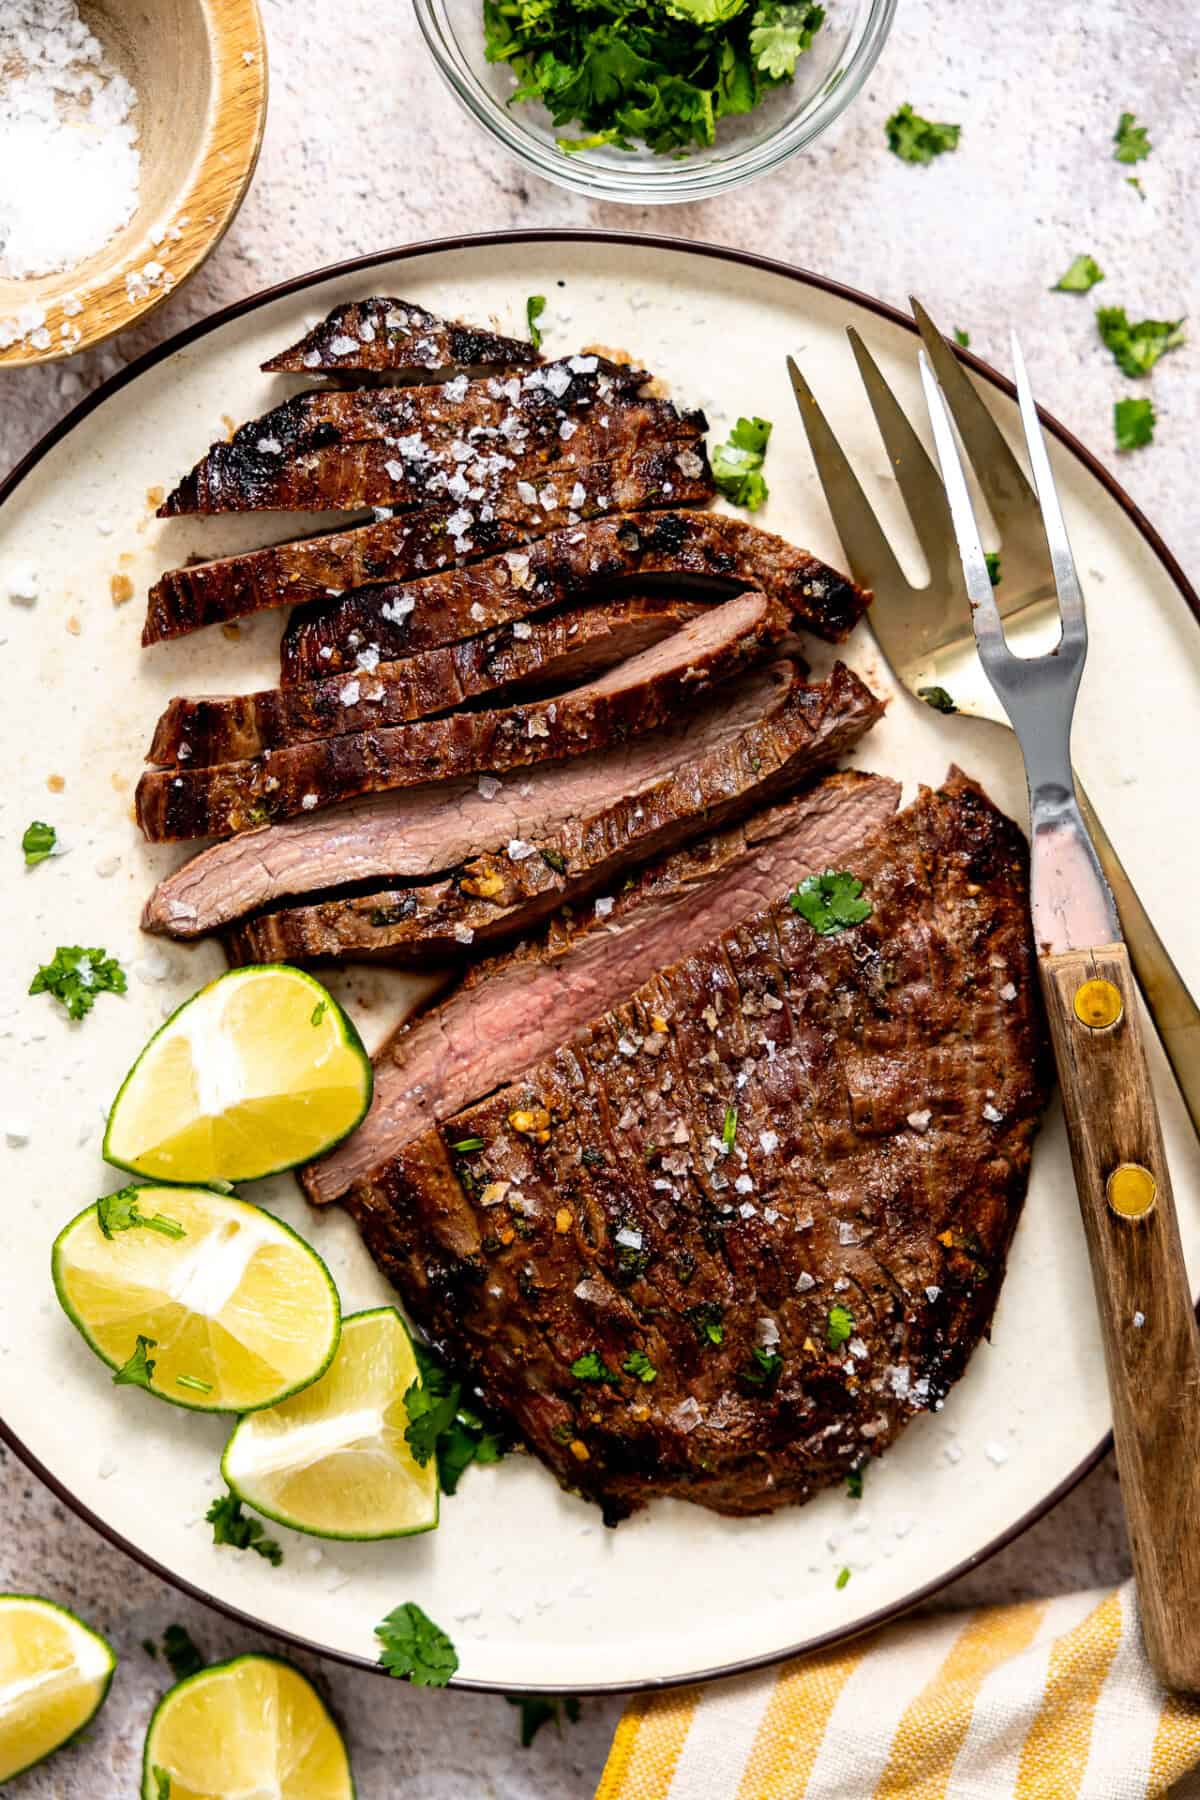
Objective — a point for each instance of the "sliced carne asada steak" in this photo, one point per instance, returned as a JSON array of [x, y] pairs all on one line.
[[707, 549], [730, 1238], [415, 833], [396, 446], [507, 891], [418, 543], [384, 334], [514, 1009], [551, 653], [634, 697]]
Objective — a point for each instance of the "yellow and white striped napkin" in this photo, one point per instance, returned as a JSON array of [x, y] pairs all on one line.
[[1045, 1700]]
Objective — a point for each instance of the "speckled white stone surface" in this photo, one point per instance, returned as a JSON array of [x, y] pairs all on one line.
[[365, 149]]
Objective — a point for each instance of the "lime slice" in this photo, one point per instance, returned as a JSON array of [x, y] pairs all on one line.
[[250, 1727], [54, 1675], [259, 1071], [333, 1460], [229, 1311]]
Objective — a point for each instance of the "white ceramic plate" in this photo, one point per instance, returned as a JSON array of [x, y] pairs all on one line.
[[530, 1585]]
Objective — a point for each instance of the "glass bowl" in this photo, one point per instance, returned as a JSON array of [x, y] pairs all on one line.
[[828, 76]]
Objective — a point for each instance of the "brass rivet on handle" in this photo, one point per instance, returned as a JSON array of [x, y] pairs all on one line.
[[1132, 1190], [1098, 1003]]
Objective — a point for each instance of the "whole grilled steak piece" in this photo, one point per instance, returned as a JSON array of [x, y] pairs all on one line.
[[396, 446], [417, 543], [708, 549], [725, 1242], [415, 833], [563, 651], [511, 1011], [509, 890], [381, 334], [634, 697]]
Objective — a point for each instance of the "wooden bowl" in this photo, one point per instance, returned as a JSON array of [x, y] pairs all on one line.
[[200, 71]]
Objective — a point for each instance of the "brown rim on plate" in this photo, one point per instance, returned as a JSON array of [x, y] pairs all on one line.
[[839, 290]]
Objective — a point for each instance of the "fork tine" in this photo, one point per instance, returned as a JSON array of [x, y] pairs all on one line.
[[1066, 578], [1011, 500], [918, 480], [872, 559], [985, 614]]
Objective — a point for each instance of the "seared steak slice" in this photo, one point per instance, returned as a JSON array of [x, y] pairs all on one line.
[[634, 697], [395, 446], [436, 537], [507, 891], [385, 334], [512, 1011], [415, 833], [704, 548], [563, 651], [784, 1175]]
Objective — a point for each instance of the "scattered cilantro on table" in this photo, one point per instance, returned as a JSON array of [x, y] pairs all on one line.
[[1137, 346], [917, 140], [830, 902], [663, 72], [737, 463], [1131, 139], [75, 976], [138, 1371], [535, 306], [539, 1709], [843, 1578], [442, 1425], [1133, 422], [231, 1526], [38, 842], [1083, 274], [181, 1653], [120, 1212], [962, 337], [414, 1648]]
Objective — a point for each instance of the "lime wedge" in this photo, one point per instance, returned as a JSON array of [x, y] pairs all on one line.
[[251, 1727], [259, 1071], [54, 1675], [224, 1310], [333, 1460]]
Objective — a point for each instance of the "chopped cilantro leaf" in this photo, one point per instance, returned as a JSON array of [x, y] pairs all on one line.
[[1083, 274], [705, 1321], [917, 140], [182, 1654], [540, 1709], [962, 337], [1131, 139], [992, 559], [430, 1412], [75, 976], [139, 1370], [830, 902], [737, 464], [638, 1364], [535, 306], [465, 1146], [938, 698], [763, 1370], [592, 1367], [729, 1128], [1133, 421], [120, 1212], [441, 1425], [839, 1327], [318, 1012], [1137, 346], [38, 842], [843, 1578], [414, 1648], [231, 1526], [854, 1483]]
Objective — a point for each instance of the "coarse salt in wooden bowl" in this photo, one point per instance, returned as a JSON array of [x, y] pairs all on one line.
[[199, 69]]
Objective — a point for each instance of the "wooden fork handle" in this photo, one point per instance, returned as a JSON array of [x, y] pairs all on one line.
[[1151, 1341]]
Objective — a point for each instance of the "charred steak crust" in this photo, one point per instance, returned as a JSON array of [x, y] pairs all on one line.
[[420, 543], [638, 695], [391, 446], [564, 650], [504, 892], [886, 1091], [381, 333], [562, 568]]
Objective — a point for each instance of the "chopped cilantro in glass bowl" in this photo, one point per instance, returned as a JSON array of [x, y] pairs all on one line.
[[653, 101]]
